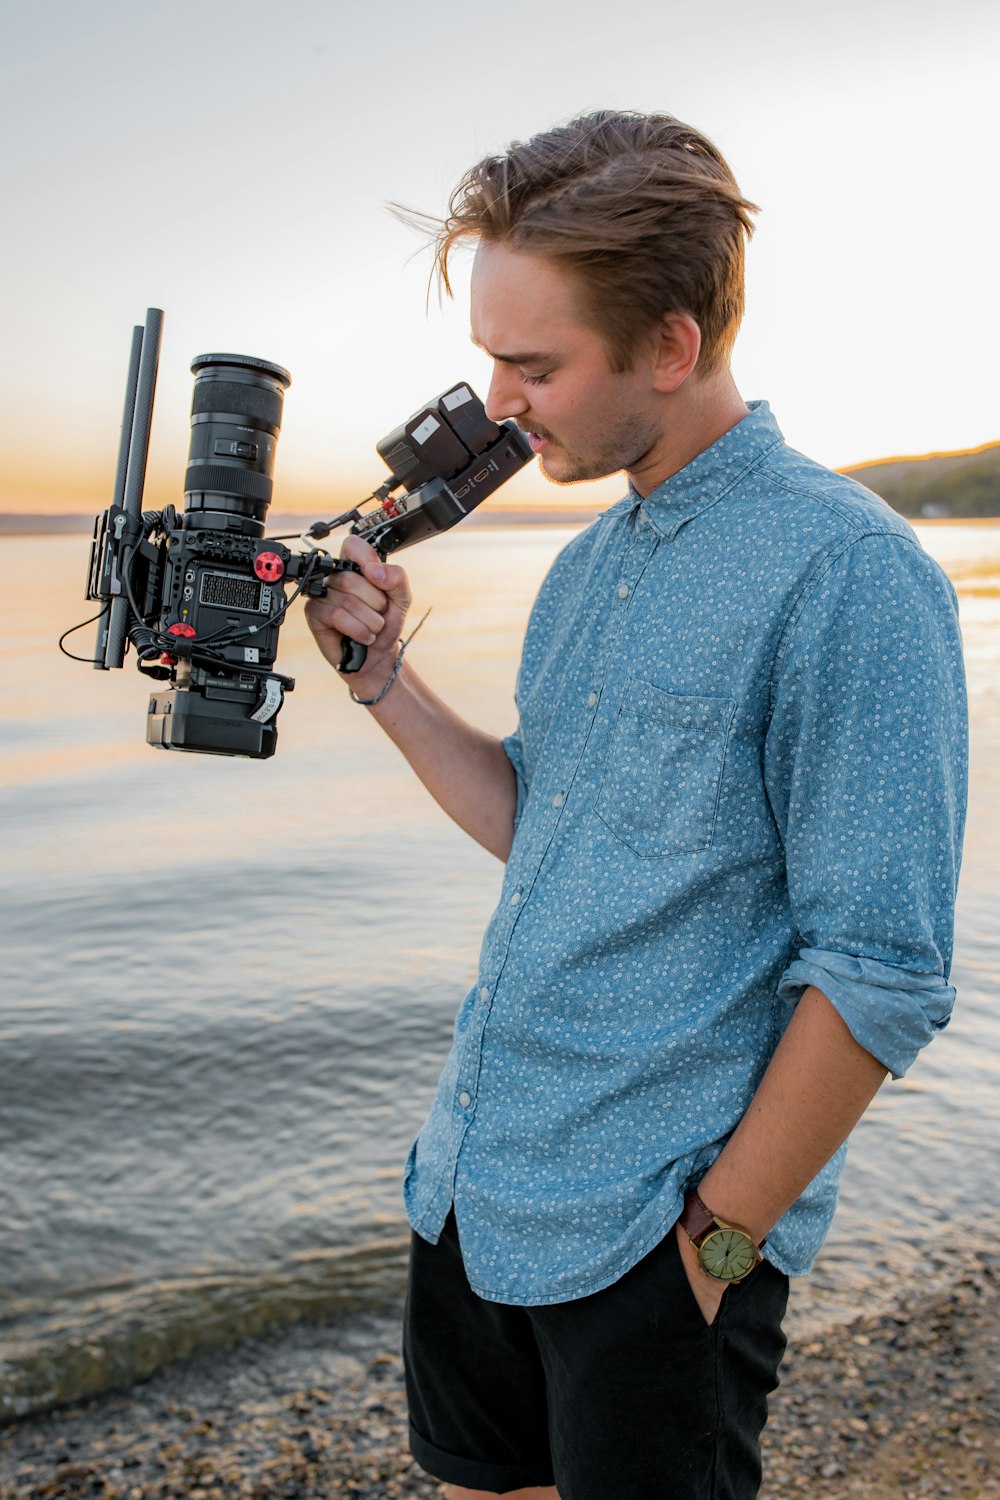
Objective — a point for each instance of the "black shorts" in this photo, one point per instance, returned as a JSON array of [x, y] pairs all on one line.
[[627, 1394]]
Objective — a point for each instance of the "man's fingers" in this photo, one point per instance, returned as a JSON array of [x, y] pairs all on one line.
[[356, 550], [368, 607], [357, 621], [391, 579], [358, 586], [345, 616]]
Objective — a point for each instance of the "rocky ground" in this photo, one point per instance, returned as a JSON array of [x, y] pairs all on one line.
[[897, 1406]]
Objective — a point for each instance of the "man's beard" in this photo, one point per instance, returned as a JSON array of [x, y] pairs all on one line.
[[624, 449]]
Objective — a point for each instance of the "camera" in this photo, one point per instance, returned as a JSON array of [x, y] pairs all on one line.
[[201, 594]]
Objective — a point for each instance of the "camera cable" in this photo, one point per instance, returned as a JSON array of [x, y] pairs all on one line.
[[90, 661]]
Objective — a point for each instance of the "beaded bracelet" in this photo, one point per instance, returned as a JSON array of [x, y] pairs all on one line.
[[370, 702]]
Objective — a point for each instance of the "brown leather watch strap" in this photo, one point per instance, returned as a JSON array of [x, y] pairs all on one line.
[[696, 1218]]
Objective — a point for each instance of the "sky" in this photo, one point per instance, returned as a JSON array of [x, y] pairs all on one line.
[[232, 164]]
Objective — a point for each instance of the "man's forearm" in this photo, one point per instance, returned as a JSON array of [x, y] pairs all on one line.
[[816, 1088], [465, 770]]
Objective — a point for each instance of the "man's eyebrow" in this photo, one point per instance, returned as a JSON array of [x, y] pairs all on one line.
[[536, 357]]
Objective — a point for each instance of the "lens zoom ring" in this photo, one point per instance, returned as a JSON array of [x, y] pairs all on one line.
[[240, 400], [242, 484]]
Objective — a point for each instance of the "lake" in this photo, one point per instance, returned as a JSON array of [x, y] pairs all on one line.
[[230, 987]]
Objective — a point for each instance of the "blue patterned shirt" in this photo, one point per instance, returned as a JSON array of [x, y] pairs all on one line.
[[740, 767]]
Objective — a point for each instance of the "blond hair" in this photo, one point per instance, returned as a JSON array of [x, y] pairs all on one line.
[[642, 209]]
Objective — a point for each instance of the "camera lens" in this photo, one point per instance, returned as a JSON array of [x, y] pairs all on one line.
[[235, 421]]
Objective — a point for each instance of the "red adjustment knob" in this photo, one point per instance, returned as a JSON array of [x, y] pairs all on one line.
[[183, 629], [268, 566]]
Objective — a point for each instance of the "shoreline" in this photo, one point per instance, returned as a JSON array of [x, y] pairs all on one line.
[[893, 1405]]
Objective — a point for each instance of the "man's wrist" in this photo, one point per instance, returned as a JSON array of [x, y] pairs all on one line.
[[698, 1216], [381, 680], [740, 1207], [727, 1251], [374, 672]]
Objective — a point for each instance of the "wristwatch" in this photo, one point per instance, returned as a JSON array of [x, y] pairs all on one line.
[[726, 1252]]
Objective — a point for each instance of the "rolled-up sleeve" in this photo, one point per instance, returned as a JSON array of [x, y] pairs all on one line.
[[515, 754], [865, 769]]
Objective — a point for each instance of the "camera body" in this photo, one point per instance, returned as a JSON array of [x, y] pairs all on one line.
[[209, 601], [201, 595]]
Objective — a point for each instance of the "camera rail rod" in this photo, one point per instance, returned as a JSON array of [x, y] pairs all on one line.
[[130, 476]]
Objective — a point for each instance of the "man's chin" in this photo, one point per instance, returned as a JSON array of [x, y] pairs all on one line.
[[564, 471], [554, 474]]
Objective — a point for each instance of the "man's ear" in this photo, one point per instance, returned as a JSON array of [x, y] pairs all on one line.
[[678, 344]]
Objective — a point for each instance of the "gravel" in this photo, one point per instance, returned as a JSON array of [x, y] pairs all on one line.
[[897, 1406]]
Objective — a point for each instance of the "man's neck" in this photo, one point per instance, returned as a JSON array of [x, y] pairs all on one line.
[[695, 417]]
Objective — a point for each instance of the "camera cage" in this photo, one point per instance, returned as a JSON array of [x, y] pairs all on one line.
[[201, 594]]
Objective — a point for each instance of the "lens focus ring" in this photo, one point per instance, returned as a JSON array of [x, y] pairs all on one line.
[[254, 405], [242, 484]]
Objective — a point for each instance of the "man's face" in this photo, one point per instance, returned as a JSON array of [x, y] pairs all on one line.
[[551, 370]]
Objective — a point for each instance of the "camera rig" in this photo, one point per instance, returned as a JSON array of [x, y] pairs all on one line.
[[201, 594]]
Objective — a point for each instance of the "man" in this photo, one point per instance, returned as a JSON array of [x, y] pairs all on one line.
[[731, 817]]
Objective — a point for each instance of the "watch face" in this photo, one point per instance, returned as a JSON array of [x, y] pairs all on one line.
[[727, 1254]]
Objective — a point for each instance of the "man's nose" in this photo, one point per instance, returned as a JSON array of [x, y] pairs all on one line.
[[506, 397]]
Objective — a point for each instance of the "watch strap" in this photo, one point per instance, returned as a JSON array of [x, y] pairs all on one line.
[[697, 1219]]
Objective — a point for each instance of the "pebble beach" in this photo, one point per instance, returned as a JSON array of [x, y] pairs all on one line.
[[891, 1406]]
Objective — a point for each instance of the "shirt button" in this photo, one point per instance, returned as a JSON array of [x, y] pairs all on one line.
[[484, 993], [591, 700], [515, 898], [558, 800], [464, 1099], [623, 591]]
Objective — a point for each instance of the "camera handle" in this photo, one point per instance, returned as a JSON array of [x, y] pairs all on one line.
[[353, 654]]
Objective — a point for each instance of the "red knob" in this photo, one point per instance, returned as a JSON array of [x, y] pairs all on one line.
[[268, 566], [181, 628]]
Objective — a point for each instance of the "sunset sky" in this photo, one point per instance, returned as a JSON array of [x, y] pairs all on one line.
[[231, 163]]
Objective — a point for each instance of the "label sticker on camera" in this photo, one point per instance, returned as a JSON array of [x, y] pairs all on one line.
[[456, 398], [270, 703], [426, 430]]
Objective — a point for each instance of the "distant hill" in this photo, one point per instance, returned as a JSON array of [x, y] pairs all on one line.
[[960, 485]]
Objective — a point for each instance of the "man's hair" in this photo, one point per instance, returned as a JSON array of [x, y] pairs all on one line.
[[643, 210]]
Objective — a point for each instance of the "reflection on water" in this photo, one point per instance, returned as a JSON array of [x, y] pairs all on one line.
[[230, 985]]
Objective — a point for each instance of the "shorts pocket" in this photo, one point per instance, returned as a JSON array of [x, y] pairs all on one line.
[[660, 792]]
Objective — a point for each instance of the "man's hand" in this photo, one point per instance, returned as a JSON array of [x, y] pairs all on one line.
[[369, 607], [708, 1292]]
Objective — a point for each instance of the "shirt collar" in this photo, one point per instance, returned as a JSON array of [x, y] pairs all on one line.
[[714, 472]]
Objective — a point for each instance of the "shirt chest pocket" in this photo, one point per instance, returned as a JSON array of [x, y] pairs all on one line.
[[660, 793]]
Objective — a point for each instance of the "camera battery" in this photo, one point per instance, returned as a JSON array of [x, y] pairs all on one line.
[[424, 448], [466, 415]]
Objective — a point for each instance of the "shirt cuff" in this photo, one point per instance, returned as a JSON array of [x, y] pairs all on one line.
[[891, 1012]]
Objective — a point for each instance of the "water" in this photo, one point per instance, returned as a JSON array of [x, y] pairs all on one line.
[[230, 986]]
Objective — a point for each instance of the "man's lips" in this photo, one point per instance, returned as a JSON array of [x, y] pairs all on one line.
[[537, 441]]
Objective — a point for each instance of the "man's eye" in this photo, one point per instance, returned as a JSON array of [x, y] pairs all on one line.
[[534, 379]]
